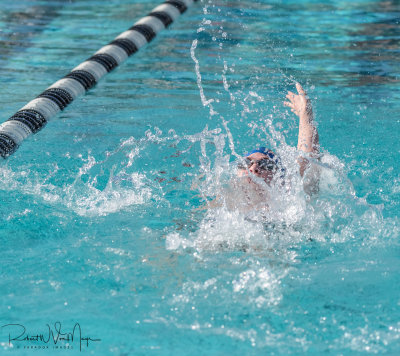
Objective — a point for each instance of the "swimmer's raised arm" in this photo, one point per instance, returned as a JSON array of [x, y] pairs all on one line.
[[308, 140]]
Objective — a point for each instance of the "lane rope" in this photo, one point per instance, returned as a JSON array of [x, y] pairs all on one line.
[[34, 116]]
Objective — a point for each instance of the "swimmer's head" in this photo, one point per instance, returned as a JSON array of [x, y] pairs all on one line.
[[261, 162]]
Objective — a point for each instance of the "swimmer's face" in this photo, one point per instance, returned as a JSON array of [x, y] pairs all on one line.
[[255, 169]]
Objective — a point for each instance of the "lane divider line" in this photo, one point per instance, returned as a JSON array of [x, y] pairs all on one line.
[[34, 116]]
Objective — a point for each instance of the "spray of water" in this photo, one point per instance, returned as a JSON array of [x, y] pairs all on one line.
[[267, 225]]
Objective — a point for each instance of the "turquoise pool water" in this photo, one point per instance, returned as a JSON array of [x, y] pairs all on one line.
[[103, 219]]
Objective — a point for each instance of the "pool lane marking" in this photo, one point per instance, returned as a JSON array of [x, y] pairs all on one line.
[[33, 116]]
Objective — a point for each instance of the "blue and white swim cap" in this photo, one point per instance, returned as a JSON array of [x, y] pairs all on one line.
[[273, 156], [263, 150]]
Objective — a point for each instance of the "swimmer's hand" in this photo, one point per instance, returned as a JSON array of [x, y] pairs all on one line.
[[299, 104], [308, 140]]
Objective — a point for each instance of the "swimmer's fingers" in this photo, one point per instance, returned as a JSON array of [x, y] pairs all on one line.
[[289, 104], [300, 89], [290, 95], [294, 100]]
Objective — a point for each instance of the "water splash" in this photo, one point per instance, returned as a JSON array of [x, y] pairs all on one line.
[[95, 190], [204, 100]]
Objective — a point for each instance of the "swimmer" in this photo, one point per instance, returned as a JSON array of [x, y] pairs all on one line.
[[259, 166], [265, 164]]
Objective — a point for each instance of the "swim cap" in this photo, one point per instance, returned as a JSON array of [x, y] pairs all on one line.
[[274, 158], [263, 150]]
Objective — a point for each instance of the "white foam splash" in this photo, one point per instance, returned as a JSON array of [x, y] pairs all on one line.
[[84, 196], [90, 201], [263, 283]]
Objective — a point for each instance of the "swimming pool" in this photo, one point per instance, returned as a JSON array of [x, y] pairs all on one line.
[[102, 210]]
